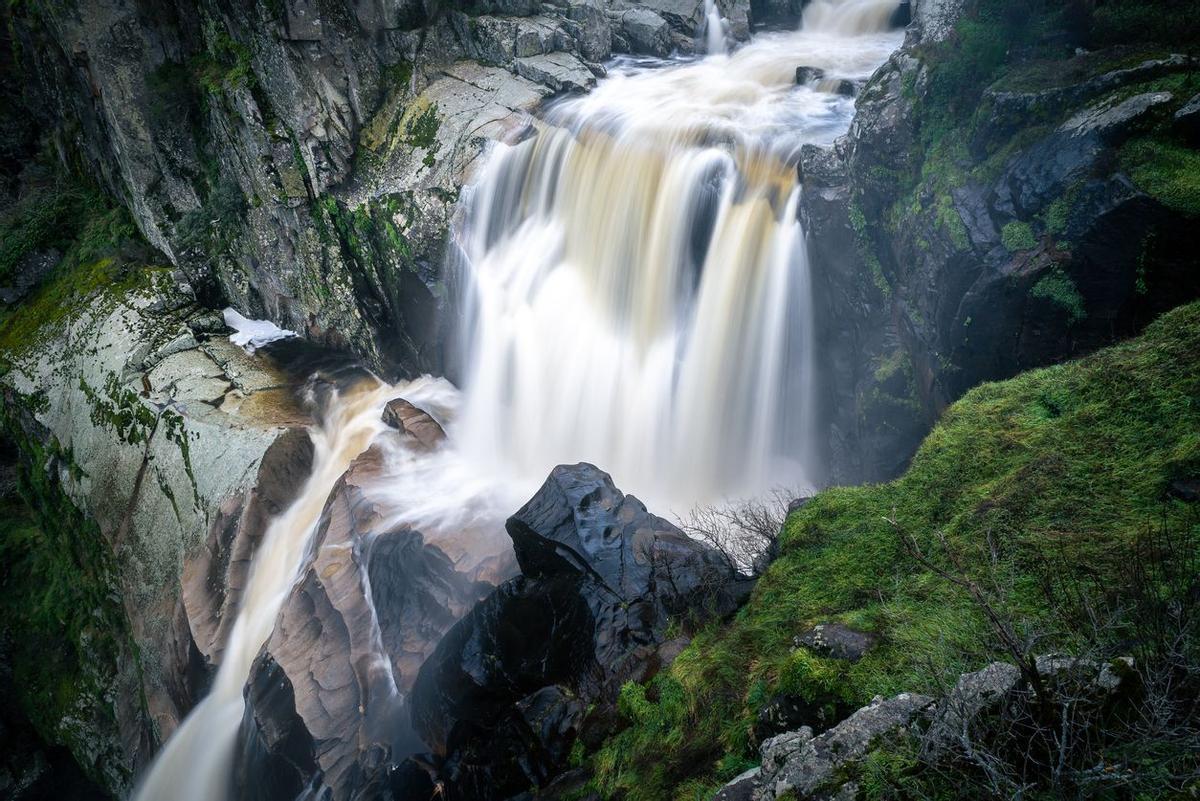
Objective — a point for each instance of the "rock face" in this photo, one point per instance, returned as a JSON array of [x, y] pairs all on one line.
[[159, 434], [502, 698], [1019, 248], [326, 699], [300, 160]]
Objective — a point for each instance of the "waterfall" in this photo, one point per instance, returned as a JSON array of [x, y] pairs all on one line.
[[714, 29], [849, 17], [638, 289], [637, 294], [196, 763]]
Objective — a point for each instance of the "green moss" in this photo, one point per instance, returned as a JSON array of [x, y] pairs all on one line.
[[951, 222], [1018, 236], [59, 605], [1058, 288], [866, 251], [1166, 170], [64, 297], [1059, 469]]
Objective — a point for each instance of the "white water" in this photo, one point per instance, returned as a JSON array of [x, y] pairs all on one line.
[[639, 291], [714, 29], [639, 296], [196, 763]]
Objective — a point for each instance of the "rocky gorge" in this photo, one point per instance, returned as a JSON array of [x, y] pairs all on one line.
[[991, 209]]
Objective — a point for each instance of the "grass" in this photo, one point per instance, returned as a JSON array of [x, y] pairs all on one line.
[[1166, 170], [1060, 468], [1058, 288]]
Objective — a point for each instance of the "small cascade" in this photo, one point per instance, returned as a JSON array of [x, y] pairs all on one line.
[[714, 29], [196, 763], [849, 17]]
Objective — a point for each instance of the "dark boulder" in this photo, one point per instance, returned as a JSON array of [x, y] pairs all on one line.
[[808, 74], [837, 641], [502, 698]]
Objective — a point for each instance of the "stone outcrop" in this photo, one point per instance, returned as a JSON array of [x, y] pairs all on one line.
[[327, 702], [799, 764], [1014, 244], [502, 698], [155, 429]]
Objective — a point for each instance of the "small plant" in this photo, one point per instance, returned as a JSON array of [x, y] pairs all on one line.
[[1058, 288]]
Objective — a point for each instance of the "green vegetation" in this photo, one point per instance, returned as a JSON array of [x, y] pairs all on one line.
[[94, 238], [1018, 236], [1166, 170], [1058, 288], [1047, 477], [67, 630]]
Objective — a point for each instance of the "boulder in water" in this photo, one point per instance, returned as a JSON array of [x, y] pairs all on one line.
[[500, 701], [417, 423]]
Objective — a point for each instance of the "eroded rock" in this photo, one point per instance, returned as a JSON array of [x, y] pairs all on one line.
[[601, 578]]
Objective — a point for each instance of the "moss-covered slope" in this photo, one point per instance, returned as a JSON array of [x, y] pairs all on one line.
[[1036, 481]]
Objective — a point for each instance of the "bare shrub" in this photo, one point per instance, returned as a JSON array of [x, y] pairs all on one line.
[[745, 531]]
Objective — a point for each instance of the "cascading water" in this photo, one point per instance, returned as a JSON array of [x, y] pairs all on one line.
[[714, 29], [196, 763], [639, 293], [639, 297]]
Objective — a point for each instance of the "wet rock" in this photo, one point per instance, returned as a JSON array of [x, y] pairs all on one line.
[[1187, 121], [417, 423], [837, 641], [345, 649], [646, 32], [215, 578], [601, 578], [845, 88], [808, 74]]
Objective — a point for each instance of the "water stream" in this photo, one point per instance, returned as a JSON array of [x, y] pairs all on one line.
[[638, 296]]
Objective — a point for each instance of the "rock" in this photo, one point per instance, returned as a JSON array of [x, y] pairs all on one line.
[[416, 423], [744, 787], [646, 32], [215, 577], [935, 19], [975, 694], [150, 467], [335, 673], [1187, 121], [845, 88], [808, 75], [797, 764], [561, 72], [601, 578], [837, 641]]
